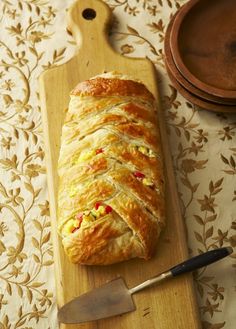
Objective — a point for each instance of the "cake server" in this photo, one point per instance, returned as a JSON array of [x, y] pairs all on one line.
[[114, 297]]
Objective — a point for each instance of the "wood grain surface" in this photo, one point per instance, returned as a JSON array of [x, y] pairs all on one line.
[[171, 305]]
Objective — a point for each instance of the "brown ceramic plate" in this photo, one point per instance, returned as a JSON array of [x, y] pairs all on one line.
[[203, 44], [201, 103], [180, 78]]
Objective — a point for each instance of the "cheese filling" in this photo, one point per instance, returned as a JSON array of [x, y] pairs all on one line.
[[141, 177], [86, 217], [146, 151], [87, 155]]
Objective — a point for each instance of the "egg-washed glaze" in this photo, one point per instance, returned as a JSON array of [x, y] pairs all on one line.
[[111, 182]]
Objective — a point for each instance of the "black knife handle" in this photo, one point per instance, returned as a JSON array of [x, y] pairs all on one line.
[[201, 260]]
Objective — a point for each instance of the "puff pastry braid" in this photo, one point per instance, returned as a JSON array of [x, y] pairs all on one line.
[[111, 184]]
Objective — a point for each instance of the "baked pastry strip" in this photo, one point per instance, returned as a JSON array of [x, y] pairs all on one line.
[[111, 183]]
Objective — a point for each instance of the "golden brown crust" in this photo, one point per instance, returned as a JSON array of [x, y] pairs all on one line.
[[139, 221], [138, 131], [128, 153], [111, 158], [91, 107], [87, 244], [111, 87], [149, 196], [140, 113]]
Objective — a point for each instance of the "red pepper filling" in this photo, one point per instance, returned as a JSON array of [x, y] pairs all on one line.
[[98, 151], [97, 205], [108, 209], [138, 174], [141, 177], [79, 217], [75, 229]]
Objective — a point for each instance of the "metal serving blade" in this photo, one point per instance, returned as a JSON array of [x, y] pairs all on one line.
[[110, 299], [115, 298]]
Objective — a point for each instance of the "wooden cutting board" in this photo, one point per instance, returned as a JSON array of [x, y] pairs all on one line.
[[171, 305]]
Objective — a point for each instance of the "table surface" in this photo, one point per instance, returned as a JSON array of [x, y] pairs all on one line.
[[34, 38]]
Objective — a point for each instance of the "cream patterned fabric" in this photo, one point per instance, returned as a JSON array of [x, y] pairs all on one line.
[[203, 145]]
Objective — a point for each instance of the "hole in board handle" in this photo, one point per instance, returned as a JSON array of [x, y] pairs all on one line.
[[89, 14]]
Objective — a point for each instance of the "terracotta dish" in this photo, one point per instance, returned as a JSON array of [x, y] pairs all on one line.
[[180, 78], [201, 103], [203, 45]]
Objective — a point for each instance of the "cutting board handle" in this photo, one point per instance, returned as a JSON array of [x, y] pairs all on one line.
[[88, 20]]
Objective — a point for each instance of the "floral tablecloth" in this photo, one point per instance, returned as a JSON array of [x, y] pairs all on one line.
[[203, 145]]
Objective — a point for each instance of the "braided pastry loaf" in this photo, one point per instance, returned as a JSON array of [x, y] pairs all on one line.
[[111, 186]]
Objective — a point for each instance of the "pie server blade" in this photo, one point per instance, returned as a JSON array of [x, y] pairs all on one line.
[[114, 297]]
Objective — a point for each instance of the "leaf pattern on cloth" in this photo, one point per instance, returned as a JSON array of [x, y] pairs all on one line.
[[34, 38], [26, 264]]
